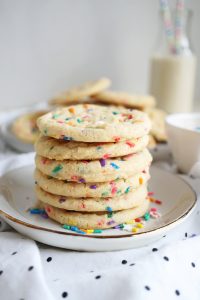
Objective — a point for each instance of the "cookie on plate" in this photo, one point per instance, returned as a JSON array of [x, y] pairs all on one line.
[[81, 92], [95, 170], [90, 190], [25, 128], [61, 150], [125, 99], [126, 201], [97, 220], [94, 123]]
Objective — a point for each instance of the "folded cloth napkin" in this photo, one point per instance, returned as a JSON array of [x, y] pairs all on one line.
[[167, 269]]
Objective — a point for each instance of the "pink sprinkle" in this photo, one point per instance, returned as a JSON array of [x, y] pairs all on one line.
[[61, 122], [153, 209], [150, 193], [116, 138], [130, 144], [113, 190], [106, 156], [74, 178], [44, 160]]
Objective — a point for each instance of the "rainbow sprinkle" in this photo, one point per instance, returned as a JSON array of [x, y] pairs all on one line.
[[57, 169], [116, 167]]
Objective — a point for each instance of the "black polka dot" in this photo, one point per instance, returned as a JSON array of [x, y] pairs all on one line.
[[147, 287], [49, 259], [14, 253], [1, 272], [124, 262], [166, 258], [30, 268], [186, 234], [155, 249], [177, 292], [164, 236], [193, 264], [98, 277], [132, 265], [64, 294]]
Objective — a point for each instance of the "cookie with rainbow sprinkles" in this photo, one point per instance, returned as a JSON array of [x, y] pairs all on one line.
[[94, 123]]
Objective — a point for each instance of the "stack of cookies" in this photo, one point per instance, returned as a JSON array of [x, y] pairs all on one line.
[[92, 165]]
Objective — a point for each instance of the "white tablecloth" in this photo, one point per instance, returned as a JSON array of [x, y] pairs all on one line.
[[167, 269]]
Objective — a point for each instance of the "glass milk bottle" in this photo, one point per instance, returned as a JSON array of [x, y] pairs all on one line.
[[172, 74]]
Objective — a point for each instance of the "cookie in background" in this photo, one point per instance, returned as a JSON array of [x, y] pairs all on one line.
[[25, 127]]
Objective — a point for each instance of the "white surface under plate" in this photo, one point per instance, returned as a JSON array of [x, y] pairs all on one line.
[[17, 195]]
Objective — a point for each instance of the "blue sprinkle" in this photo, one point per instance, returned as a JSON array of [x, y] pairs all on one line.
[[67, 138], [116, 167], [80, 231], [109, 209], [74, 228], [37, 211]]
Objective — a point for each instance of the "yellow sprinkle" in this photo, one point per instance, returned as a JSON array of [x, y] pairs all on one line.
[[141, 180], [140, 225], [90, 230], [134, 229]]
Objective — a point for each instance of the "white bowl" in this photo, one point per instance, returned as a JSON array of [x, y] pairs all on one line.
[[183, 131]]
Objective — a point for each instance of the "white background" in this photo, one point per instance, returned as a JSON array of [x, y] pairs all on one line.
[[49, 45]]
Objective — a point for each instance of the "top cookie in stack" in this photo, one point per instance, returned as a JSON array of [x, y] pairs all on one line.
[[92, 165]]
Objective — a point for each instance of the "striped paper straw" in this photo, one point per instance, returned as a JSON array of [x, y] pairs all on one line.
[[168, 25], [180, 7]]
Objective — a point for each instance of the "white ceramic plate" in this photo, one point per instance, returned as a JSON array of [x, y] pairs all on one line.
[[17, 195]]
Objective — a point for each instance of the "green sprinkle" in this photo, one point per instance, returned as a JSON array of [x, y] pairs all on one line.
[[110, 214], [119, 192], [115, 112], [99, 148], [55, 116], [67, 119], [45, 132], [79, 120], [66, 227], [147, 216], [57, 169], [104, 194], [97, 231], [127, 190], [51, 148]]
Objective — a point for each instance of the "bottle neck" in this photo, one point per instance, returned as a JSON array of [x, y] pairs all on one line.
[[181, 36]]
